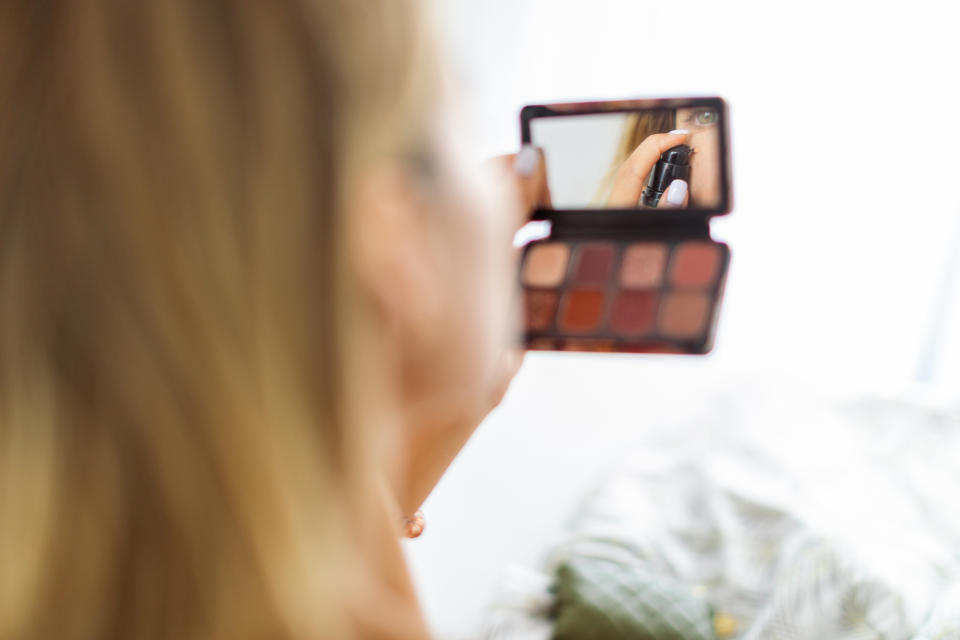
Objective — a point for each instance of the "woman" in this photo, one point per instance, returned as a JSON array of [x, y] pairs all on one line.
[[647, 135], [250, 308]]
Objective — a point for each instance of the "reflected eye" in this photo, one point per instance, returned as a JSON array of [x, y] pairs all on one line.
[[706, 117]]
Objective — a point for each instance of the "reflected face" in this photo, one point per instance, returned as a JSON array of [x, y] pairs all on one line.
[[703, 123]]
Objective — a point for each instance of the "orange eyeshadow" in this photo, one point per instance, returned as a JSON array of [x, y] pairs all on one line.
[[583, 310]]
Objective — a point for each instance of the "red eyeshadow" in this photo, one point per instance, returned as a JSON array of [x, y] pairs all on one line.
[[634, 312], [541, 307], [583, 310], [594, 263], [694, 264]]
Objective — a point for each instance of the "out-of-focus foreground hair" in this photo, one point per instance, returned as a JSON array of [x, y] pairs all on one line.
[[182, 434]]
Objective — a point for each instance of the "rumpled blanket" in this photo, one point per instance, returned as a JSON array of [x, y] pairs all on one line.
[[801, 519]]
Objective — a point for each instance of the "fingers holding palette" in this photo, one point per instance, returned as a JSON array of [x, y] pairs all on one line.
[[633, 296]]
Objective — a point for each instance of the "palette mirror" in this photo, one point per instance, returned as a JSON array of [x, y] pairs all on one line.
[[647, 154]]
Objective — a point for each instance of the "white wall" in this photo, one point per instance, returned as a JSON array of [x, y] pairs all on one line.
[[845, 132], [845, 119]]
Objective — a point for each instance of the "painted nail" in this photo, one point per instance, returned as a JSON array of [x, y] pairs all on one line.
[[531, 232], [677, 192], [527, 161], [677, 132]]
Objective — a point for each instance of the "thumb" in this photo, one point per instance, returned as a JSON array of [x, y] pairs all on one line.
[[530, 169], [676, 197]]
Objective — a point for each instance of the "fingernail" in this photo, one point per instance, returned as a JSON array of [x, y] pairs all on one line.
[[527, 161], [531, 232], [677, 192], [679, 132]]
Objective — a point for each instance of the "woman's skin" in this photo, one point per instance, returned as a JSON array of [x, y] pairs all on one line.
[[444, 418], [696, 127], [443, 268]]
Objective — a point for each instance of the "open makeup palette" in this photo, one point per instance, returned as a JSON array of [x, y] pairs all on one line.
[[628, 263]]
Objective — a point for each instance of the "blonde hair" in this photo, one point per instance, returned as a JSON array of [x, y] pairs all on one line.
[[183, 446]]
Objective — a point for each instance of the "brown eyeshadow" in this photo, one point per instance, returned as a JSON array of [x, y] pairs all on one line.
[[594, 263], [694, 264], [643, 265], [541, 307], [634, 312], [546, 264], [684, 314], [583, 310]]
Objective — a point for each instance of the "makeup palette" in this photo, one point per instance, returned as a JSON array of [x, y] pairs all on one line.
[[635, 280], [638, 296]]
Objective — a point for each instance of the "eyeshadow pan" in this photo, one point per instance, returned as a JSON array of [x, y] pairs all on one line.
[[694, 264], [541, 307], [594, 263], [634, 312], [583, 309], [639, 295], [643, 265], [684, 314], [546, 264]]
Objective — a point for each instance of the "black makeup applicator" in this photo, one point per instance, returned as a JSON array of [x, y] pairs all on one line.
[[674, 164]]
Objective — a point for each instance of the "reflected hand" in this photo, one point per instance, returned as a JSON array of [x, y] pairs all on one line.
[[676, 196], [632, 175]]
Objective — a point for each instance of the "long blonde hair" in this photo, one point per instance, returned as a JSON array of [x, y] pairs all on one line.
[[182, 441]]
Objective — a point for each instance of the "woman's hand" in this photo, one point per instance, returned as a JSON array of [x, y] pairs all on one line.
[[525, 175], [632, 175]]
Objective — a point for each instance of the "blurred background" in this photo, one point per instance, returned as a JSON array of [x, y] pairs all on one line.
[[845, 280]]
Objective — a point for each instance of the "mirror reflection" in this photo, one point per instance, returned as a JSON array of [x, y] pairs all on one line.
[[654, 158]]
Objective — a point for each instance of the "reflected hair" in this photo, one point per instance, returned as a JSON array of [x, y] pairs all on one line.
[[182, 434]]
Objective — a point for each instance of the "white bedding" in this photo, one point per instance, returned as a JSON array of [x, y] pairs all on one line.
[[876, 477], [799, 515]]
